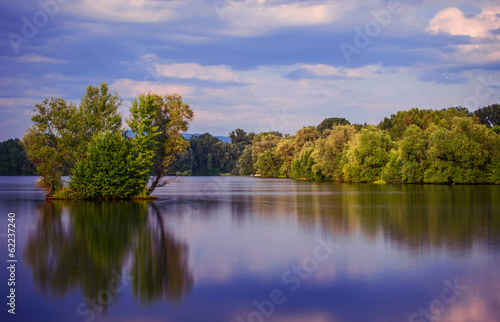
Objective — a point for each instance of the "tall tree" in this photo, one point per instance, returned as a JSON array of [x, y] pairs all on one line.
[[98, 113], [172, 117], [49, 142]]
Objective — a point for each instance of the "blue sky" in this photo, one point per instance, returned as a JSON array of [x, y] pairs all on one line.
[[252, 64]]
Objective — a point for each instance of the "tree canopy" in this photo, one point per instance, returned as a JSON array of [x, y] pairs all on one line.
[[89, 144]]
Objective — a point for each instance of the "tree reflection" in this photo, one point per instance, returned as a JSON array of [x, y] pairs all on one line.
[[86, 245], [160, 265]]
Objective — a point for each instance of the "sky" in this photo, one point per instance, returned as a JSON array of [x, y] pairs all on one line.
[[258, 65]]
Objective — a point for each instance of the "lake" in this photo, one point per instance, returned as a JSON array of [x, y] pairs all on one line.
[[254, 249]]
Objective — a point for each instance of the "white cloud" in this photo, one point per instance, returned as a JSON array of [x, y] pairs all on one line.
[[454, 21], [481, 26], [219, 73], [129, 88], [137, 11], [251, 17]]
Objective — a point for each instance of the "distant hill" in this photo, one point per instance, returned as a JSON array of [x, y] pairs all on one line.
[[187, 136]]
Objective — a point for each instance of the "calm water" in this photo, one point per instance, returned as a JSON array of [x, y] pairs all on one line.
[[252, 249]]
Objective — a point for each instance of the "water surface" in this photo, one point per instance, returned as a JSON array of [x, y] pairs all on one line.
[[254, 249]]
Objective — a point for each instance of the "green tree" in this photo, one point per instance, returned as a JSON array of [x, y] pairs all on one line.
[[240, 138], [172, 117], [330, 122], [141, 123], [366, 155], [302, 166], [110, 171], [459, 152], [286, 149], [50, 141], [268, 164], [328, 151], [13, 160], [98, 112], [489, 115], [245, 162], [412, 155]]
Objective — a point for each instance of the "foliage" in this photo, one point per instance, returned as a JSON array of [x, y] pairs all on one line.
[[240, 138], [50, 142], [111, 170], [330, 122], [245, 162], [98, 112], [172, 117], [302, 167], [459, 153], [397, 124], [328, 151], [208, 156], [66, 139], [141, 123], [412, 155], [268, 164], [447, 146], [13, 160], [366, 155], [489, 115]]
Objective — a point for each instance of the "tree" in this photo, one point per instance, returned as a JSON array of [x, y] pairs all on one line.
[[268, 164], [13, 160], [245, 162], [412, 155], [172, 117], [240, 138], [366, 156], [330, 122], [459, 152], [302, 166], [111, 170], [49, 142], [397, 124], [285, 149], [141, 123], [489, 115], [328, 151], [98, 113]]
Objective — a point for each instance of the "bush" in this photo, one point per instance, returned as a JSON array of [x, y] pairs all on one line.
[[109, 171]]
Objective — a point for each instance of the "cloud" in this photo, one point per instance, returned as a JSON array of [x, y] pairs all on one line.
[[134, 11], [33, 58], [129, 88], [455, 22], [482, 28], [218, 73], [326, 71], [251, 17]]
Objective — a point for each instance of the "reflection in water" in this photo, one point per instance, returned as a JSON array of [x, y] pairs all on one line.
[[228, 245], [415, 217], [160, 263], [88, 244]]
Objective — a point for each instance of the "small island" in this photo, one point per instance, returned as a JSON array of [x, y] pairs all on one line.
[[89, 143]]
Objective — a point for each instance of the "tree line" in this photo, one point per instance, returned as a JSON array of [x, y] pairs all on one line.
[[448, 146], [88, 143]]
